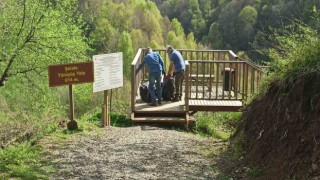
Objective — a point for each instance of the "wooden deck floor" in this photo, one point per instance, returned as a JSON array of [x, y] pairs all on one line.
[[201, 103], [165, 106], [214, 103]]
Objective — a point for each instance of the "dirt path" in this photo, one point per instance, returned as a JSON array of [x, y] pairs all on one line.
[[140, 152]]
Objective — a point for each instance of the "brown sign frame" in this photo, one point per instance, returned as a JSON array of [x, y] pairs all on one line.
[[68, 74]]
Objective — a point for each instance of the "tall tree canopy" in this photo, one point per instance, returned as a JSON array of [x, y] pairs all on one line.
[[235, 24]]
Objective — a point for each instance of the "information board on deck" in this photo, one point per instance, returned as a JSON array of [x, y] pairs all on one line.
[[108, 71], [64, 74]]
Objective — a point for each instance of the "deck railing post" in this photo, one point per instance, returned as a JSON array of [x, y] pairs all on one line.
[[187, 75], [132, 87]]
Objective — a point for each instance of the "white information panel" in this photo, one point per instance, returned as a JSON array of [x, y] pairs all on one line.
[[108, 71]]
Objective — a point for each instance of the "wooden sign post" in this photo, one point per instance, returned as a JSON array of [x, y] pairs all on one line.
[[105, 112], [68, 74]]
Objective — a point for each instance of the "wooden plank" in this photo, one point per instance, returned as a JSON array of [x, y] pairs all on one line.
[[197, 105], [197, 64], [214, 108], [215, 102], [223, 84], [165, 106], [236, 81], [161, 119], [203, 73]]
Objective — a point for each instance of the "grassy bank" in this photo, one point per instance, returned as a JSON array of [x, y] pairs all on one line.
[[220, 125]]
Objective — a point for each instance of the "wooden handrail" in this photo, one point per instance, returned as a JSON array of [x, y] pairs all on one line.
[[136, 58], [136, 78], [252, 64], [233, 55], [192, 50]]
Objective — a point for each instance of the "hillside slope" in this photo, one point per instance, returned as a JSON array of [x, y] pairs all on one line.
[[282, 130]]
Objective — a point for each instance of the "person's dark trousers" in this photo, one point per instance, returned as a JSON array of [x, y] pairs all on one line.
[[178, 80], [154, 76]]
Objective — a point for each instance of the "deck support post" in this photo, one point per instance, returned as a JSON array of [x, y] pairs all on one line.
[[187, 121]]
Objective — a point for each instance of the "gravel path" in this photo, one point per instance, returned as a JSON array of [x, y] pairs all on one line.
[[140, 152]]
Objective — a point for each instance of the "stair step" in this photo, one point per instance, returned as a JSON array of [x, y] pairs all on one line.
[[160, 114], [158, 119]]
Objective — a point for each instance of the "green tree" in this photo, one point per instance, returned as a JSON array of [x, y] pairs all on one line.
[[177, 27], [245, 26], [197, 22], [105, 36], [34, 34], [127, 50], [215, 37], [191, 43]]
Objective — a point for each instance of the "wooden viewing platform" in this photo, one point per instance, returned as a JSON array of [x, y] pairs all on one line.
[[215, 80]]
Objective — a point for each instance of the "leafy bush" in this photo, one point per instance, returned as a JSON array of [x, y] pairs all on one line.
[[119, 120], [295, 52]]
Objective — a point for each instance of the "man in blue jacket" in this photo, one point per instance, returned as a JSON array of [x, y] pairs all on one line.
[[156, 67], [176, 61]]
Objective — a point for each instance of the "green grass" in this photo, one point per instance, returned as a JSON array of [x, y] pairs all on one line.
[[218, 125], [223, 177], [212, 152], [23, 161], [117, 120], [254, 173]]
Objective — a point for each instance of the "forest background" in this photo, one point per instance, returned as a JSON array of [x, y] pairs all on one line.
[[38, 33]]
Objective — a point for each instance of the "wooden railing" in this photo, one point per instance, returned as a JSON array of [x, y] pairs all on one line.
[[135, 77], [221, 80], [210, 55], [206, 71]]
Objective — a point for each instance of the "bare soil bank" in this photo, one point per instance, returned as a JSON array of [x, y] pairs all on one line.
[[282, 130]]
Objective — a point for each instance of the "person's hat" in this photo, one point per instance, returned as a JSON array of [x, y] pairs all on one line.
[[167, 47]]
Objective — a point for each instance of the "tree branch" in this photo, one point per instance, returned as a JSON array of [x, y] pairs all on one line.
[[33, 84], [28, 39], [22, 71], [23, 18], [5, 74]]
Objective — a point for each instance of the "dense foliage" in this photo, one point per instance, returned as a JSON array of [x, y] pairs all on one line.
[[128, 25], [294, 53], [236, 24], [33, 35]]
